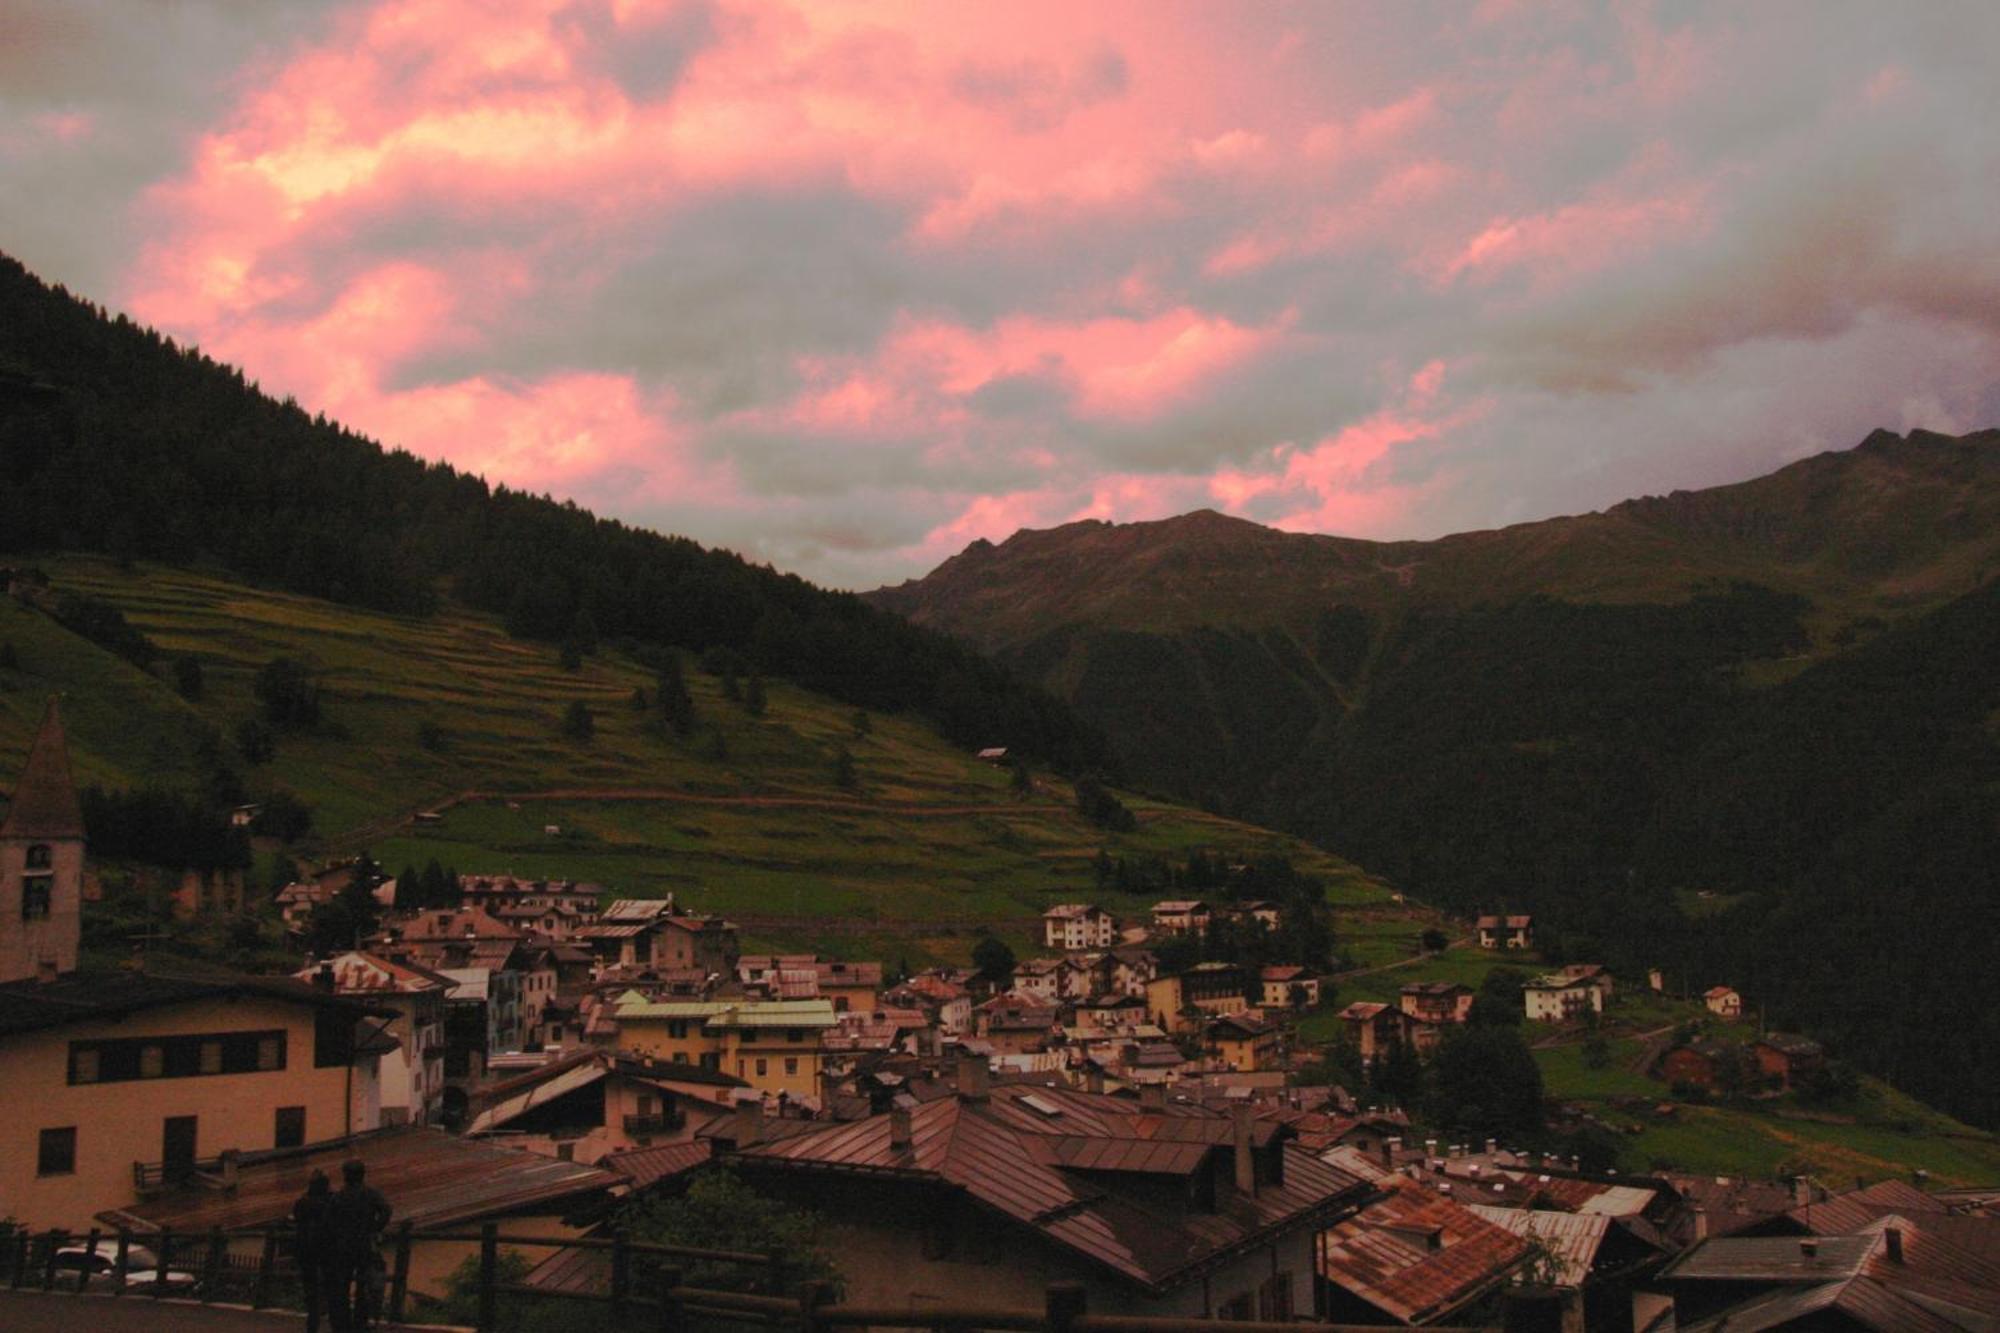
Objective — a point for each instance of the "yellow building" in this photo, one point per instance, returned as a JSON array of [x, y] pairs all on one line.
[[1248, 1043], [122, 1082], [119, 1081], [775, 1046]]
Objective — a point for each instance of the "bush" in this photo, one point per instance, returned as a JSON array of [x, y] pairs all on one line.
[[577, 722], [285, 690]]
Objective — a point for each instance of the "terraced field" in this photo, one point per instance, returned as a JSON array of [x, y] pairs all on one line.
[[745, 816]]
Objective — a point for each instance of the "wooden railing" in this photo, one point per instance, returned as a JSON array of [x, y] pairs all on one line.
[[659, 1297]]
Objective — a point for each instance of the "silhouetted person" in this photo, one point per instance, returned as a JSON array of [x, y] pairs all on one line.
[[355, 1217], [309, 1237]]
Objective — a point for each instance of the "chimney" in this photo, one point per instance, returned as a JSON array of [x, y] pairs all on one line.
[[324, 977], [1242, 1120], [1430, 1147], [1894, 1237], [1801, 1192], [973, 1077], [1152, 1096], [1390, 1147], [899, 1129], [1809, 1246], [1492, 1147], [749, 1122], [1700, 1222]]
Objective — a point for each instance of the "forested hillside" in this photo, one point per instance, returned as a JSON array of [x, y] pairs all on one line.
[[1745, 734], [113, 439]]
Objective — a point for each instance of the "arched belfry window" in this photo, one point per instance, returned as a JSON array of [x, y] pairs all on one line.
[[40, 857]]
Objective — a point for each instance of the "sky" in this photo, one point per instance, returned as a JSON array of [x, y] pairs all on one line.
[[848, 286]]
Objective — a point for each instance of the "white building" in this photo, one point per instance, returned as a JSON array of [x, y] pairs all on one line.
[[1558, 999], [1073, 926]]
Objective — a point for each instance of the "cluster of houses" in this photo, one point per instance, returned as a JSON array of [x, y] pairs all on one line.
[[538, 1052]]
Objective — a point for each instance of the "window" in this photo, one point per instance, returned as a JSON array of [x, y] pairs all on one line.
[[57, 1156], [791, 1064], [194, 1055], [1238, 1307], [290, 1131], [35, 896], [763, 1067], [40, 857], [793, 1036]]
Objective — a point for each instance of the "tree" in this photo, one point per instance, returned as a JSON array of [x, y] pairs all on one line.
[[670, 688], [582, 633], [1485, 1080], [843, 768], [994, 959], [1397, 1074], [570, 655], [285, 690], [720, 1212], [283, 816], [343, 920], [1020, 779], [754, 701], [9, 659], [1096, 803], [432, 737], [1435, 940], [638, 702], [1499, 1003], [1596, 1051], [863, 724], [255, 742], [187, 676], [577, 722]]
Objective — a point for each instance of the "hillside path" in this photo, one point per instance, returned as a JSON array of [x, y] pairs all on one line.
[[1411, 961]]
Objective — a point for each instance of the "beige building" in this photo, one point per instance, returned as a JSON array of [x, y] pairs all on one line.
[[413, 1077], [1073, 926], [1559, 999]]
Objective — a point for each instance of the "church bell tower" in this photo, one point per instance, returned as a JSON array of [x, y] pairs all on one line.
[[41, 863]]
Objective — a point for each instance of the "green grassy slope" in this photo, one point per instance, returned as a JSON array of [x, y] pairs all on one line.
[[929, 845]]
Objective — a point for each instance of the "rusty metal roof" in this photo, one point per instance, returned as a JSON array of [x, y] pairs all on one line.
[[429, 1177], [1416, 1256], [1057, 1174]]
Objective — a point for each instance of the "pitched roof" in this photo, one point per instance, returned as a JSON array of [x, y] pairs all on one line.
[[646, 1166], [1052, 1159], [429, 1177], [93, 995], [43, 803], [1572, 1239], [1415, 1255]]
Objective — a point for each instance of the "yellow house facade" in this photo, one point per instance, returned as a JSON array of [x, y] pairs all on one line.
[[774, 1046], [162, 1084]]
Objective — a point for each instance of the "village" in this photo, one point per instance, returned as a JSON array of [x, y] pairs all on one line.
[[1106, 1112]]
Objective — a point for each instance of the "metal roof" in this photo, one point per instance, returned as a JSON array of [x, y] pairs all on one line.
[[539, 1093], [93, 995], [646, 1166], [429, 1177], [1773, 1259], [1415, 1255], [1058, 1174], [1572, 1239], [1868, 1304]]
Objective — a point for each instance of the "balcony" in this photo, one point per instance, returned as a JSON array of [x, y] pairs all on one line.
[[639, 1126]]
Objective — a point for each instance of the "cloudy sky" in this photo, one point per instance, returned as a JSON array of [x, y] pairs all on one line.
[[847, 286]]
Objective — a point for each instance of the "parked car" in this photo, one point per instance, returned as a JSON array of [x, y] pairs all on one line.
[[142, 1267]]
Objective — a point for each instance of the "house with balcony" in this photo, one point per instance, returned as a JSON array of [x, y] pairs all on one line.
[[1506, 932], [592, 1103], [1072, 927], [1438, 1002], [1182, 917], [412, 1078], [774, 1046], [1556, 998]]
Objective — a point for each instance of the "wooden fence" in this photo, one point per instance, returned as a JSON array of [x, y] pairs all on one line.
[[652, 1290]]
